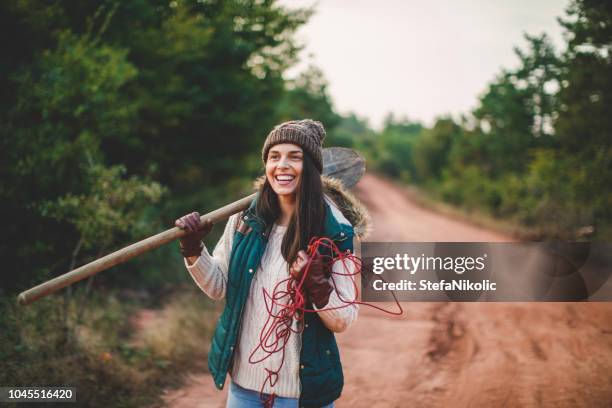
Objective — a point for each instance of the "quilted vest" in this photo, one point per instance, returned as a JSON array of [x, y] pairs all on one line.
[[320, 368]]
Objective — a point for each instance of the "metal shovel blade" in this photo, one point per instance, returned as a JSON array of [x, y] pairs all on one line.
[[343, 164]]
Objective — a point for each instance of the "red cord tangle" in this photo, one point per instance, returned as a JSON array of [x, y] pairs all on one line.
[[288, 303]]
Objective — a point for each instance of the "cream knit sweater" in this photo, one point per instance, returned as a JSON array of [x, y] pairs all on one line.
[[210, 274]]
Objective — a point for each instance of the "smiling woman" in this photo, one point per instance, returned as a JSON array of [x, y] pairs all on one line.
[[263, 248]]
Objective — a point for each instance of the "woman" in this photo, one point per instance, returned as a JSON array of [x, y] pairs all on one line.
[[254, 255]]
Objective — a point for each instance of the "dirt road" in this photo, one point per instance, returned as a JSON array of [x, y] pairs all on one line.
[[459, 354]]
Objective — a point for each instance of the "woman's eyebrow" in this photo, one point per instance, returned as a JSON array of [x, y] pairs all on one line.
[[289, 152], [274, 151]]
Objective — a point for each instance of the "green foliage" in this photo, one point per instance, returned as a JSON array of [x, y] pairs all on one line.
[[431, 151], [354, 132], [307, 97], [110, 208], [584, 124], [516, 112], [392, 150], [67, 102], [209, 84], [470, 188], [108, 361]]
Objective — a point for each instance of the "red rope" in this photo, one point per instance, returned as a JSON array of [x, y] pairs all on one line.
[[290, 300]]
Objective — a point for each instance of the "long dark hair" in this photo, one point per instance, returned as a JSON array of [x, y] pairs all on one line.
[[309, 215]]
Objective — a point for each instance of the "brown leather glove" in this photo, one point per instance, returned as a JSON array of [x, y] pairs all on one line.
[[191, 243], [317, 286]]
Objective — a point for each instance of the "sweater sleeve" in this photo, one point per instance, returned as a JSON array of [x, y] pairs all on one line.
[[343, 313], [210, 271]]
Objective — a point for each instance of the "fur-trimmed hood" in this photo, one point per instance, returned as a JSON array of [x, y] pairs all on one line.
[[352, 209]]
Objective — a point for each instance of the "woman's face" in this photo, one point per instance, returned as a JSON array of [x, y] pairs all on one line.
[[284, 168]]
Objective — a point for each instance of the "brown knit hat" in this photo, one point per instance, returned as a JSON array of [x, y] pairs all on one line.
[[306, 133]]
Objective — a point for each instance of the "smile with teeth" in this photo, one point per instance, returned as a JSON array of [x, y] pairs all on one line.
[[284, 179]]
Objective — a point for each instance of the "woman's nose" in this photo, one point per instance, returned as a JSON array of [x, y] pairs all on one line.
[[283, 162]]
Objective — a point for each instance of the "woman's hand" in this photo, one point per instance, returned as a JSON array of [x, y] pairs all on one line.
[[316, 284], [191, 243]]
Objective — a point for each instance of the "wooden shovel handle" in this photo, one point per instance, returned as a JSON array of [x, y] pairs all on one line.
[[127, 253]]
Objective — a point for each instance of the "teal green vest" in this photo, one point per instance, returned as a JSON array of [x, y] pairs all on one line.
[[320, 368]]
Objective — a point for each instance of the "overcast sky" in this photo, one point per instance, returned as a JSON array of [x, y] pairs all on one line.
[[417, 58]]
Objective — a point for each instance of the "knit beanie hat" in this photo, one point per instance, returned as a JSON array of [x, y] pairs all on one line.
[[306, 133]]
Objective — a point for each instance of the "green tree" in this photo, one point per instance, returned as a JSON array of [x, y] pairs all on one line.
[[515, 114], [68, 101], [431, 152], [584, 125], [307, 97], [393, 148], [355, 132]]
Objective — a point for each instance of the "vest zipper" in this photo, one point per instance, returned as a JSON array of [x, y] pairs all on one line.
[[237, 340], [233, 346]]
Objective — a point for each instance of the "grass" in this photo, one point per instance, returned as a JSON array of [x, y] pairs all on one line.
[[103, 356]]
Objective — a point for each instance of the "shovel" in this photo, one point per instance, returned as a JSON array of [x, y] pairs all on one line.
[[340, 163]]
